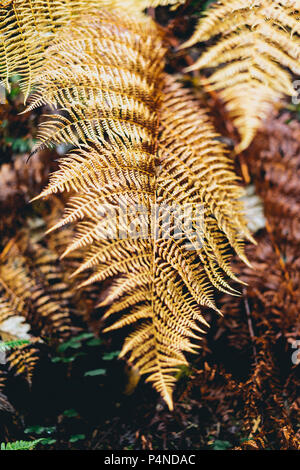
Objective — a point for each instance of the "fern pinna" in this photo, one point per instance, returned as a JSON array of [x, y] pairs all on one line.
[[140, 143], [257, 49]]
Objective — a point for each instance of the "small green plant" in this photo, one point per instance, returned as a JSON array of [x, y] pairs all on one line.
[[77, 347], [65, 350], [20, 445], [217, 444], [110, 356], [38, 430]]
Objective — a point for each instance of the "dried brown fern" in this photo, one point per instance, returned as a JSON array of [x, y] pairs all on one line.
[[23, 360], [265, 321], [33, 285], [259, 46], [35, 302], [141, 143], [125, 173], [274, 164], [28, 27]]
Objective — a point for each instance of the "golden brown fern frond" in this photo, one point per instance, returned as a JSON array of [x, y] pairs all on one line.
[[14, 329], [32, 287], [14, 336], [155, 277], [28, 27], [35, 302], [259, 46], [127, 179], [105, 96], [23, 359]]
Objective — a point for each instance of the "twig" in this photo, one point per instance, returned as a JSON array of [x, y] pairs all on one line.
[[250, 325]]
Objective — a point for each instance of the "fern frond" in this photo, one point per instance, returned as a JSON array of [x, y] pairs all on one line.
[[28, 27], [16, 343], [259, 47], [20, 445], [34, 303], [108, 97], [143, 152], [23, 360], [34, 290], [23, 354], [2, 381], [162, 282]]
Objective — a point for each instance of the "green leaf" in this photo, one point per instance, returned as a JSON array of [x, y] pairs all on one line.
[[48, 441], [20, 144], [64, 346], [15, 78], [77, 437], [110, 356], [56, 359], [95, 342], [221, 445], [83, 336], [40, 429], [70, 413], [68, 359], [74, 342], [92, 373]]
